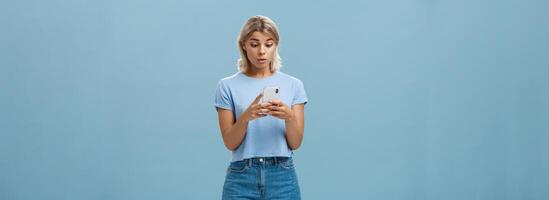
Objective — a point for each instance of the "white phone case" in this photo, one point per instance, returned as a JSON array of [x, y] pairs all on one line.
[[270, 93]]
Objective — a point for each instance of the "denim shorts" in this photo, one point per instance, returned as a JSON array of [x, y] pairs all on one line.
[[261, 178]]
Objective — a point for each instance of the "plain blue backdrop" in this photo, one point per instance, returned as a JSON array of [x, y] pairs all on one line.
[[409, 99]]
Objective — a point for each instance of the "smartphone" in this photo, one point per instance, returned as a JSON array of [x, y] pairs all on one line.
[[270, 93]]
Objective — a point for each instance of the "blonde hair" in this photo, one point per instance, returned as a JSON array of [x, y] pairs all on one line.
[[262, 24]]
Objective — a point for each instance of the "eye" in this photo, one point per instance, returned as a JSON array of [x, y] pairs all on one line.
[[269, 45], [254, 45]]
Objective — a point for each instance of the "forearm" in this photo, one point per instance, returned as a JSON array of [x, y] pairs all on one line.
[[235, 134], [294, 132]]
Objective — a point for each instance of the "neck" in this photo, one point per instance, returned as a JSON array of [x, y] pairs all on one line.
[[258, 73]]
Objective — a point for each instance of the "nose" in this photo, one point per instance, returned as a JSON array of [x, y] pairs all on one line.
[[262, 50]]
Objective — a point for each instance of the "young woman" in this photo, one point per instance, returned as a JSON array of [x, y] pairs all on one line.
[[261, 136]]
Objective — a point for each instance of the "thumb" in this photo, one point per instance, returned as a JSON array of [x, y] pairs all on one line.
[[258, 98]]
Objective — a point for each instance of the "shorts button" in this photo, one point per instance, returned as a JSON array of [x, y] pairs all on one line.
[[261, 160]]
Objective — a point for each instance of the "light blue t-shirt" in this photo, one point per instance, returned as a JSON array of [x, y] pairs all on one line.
[[265, 137]]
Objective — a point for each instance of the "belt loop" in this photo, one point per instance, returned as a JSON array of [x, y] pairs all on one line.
[[275, 160], [249, 162]]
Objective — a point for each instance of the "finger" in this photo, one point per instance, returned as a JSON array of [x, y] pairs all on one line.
[[256, 114], [265, 105], [277, 113], [261, 110], [252, 109], [274, 108], [257, 98], [277, 108], [275, 101]]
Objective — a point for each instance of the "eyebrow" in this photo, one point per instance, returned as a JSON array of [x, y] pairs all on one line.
[[258, 40]]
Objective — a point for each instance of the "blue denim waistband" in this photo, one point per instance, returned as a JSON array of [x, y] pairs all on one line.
[[265, 160]]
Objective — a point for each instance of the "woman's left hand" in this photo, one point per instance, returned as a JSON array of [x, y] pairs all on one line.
[[280, 110]]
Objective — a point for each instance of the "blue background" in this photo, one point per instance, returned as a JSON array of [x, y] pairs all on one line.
[[410, 99]]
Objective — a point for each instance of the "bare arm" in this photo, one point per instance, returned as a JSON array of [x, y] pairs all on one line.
[[295, 127], [233, 131], [294, 119]]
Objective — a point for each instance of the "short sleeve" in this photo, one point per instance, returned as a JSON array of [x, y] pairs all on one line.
[[223, 97], [300, 96]]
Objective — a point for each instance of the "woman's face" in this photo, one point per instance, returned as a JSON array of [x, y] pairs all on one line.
[[259, 48]]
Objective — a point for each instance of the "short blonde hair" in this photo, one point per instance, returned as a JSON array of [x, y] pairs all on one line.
[[262, 24]]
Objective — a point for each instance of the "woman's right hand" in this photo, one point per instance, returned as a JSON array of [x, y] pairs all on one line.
[[256, 110]]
